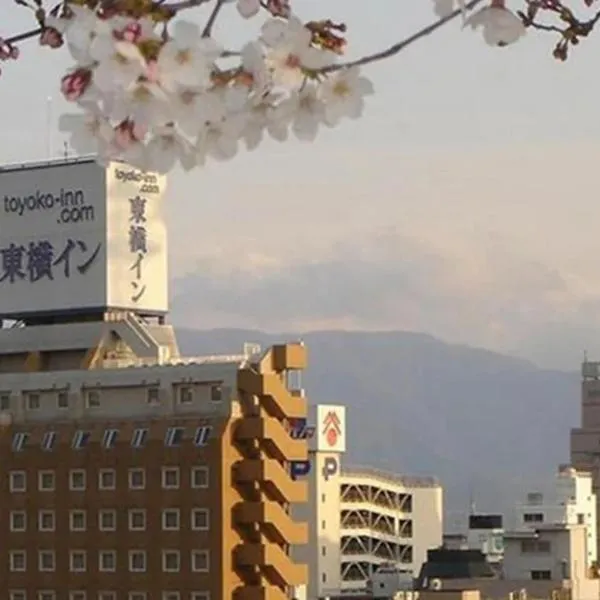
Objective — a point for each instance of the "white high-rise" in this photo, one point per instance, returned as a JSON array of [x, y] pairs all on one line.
[[568, 499], [359, 518]]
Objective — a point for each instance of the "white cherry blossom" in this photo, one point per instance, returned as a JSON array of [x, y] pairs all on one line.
[[248, 8], [187, 59], [166, 148], [119, 63], [343, 95], [443, 8], [266, 115], [144, 102], [219, 139], [290, 52], [253, 63], [306, 111], [89, 132], [79, 31], [500, 26]]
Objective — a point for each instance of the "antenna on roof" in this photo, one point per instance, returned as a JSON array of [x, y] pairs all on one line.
[[49, 127], [585, 356], [66, 149]]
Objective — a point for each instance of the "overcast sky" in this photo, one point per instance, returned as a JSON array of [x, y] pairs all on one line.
[[463, 204]]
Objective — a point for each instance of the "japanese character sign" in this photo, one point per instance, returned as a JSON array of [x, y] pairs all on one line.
[[41, 259], [138, 244]]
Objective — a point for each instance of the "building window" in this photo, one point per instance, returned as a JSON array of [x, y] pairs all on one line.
[[323, 525], [46, 595], [202, 435], [46, 520], [46, 560], [49, 441], [77, 561], [107, 479], [107, 561], [174, 436], [216, 393], [170, 561], [18, 560], [199, 477], [581, 518], [323, 497], [4, 402], [153, 395], [107, 520], [79, 595], [323, 550], [19, 442], [107, 595], [80, 439], [17, 595], [109, 439], [200, 596], [137, 479], [18, 520], [18, 481], [200, 519], [77, 480], [62, 400], [46, 481], [137, 519], [541, 575], [92, 399], [137, 561], [170, 478], [171, 596], [33, 401], [170, 519], [186, 394], [324, 577], [139, 438], [200, 562], [533, 518], [535, 547], [137, 596], [77, 520]]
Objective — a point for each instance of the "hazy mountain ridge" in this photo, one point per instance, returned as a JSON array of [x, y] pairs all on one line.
[[484, 423]]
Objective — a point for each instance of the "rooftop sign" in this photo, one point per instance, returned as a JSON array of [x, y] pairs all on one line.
[[77, 237]]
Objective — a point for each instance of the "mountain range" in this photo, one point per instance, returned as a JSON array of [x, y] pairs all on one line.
[[486, 425]]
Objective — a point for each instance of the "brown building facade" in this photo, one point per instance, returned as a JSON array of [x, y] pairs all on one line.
[[585, 440], [134, 478]]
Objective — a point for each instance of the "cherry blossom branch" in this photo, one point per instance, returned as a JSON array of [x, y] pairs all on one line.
[[399, 46], [212, 18]]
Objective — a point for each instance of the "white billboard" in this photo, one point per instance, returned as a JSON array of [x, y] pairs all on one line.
[[78, 237], [329, 428]]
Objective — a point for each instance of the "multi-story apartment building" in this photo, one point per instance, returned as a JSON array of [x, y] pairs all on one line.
[[568, 500], [127, 471], [361, 519]]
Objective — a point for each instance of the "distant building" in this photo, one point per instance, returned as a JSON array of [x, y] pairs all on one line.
[[360, 519], [569, 500], [547, 562], [585, 440], [486, 533]]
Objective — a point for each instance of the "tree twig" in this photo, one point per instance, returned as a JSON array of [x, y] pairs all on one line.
[[399, 46], [213, 17], [15, 39]]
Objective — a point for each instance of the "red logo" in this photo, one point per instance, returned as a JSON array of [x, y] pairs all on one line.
[[332, 429]]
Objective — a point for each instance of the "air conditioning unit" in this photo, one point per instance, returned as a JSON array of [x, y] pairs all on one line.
[[435, 584]]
